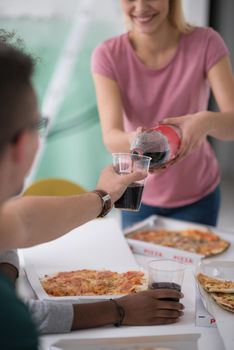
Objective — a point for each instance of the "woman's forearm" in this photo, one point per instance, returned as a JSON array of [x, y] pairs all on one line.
[[221, 125], [118, 141]]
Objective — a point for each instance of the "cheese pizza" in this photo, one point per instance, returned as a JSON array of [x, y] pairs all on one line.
[[196, 241], [94, 282]]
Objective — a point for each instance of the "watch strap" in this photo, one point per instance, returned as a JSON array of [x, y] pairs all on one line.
[[106, 201]]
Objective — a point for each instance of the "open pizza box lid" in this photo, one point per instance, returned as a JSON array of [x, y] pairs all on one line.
[[160, 342], [161, 252], [98, 245]]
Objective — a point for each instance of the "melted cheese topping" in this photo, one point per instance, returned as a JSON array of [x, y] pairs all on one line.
[[92, 282]]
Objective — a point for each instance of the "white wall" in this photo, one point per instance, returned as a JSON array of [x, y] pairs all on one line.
[[37, 8], [106, 9], [196, 11]]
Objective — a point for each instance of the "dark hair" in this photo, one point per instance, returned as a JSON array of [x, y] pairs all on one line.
[[16, 68]]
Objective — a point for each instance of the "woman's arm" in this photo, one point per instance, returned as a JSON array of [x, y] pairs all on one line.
[[196, 127], [110, 108], [222, 85]]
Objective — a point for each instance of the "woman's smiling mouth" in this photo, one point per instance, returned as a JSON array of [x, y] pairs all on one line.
[[143, 19]]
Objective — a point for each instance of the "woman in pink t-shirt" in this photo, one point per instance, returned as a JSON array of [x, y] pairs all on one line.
[[162, 70]]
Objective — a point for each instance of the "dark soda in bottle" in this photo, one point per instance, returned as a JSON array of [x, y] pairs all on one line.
[[161, 143]]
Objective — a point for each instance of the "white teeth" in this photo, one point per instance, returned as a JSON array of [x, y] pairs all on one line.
[[143, 19]]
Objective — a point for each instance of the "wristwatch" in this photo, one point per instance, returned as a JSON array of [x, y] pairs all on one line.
[[106, 202]]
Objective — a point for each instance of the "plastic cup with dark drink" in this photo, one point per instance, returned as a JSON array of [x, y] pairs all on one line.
[[125, 163], [166, 274]]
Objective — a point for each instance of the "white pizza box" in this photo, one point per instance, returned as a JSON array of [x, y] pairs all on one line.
[[98, 244], [224, 319], [203, 317], [166, 342], [160, 252]]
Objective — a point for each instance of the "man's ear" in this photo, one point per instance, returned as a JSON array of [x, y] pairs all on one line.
[[19, 147]]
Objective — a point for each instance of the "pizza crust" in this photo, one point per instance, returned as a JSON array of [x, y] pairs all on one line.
[[225, 300], [211, 284]]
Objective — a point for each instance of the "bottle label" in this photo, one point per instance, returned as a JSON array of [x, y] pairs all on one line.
[[173, 135]]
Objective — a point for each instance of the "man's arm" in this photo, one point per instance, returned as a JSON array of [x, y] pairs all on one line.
[[49, 317], [139, 309], [145, 308], [28, 221]]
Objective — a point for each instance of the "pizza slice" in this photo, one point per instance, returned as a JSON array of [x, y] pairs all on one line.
[[211, 284], [225, 300], [213, 247]]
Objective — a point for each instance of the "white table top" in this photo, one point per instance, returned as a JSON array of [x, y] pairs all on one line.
[[210, 338]]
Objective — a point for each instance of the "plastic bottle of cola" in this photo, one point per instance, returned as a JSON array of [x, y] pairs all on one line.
[[161, 143]]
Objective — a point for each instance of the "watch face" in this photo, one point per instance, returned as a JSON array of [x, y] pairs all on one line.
[[106, 204], [106, 197]]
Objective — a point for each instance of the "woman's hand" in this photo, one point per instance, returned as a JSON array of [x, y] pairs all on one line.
[[133, 134], [149, 308], [194, 130]]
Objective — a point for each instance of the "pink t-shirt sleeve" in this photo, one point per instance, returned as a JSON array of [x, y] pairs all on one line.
[[102, 62], [216, 49]]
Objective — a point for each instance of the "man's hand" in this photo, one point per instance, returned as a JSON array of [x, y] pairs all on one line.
[[9, 264], [116, 184], [140, 309], [150, 308]]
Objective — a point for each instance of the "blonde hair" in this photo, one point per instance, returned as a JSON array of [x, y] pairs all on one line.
[[176, 17]]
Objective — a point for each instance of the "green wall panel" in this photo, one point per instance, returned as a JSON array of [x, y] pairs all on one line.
[[74, 149]]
